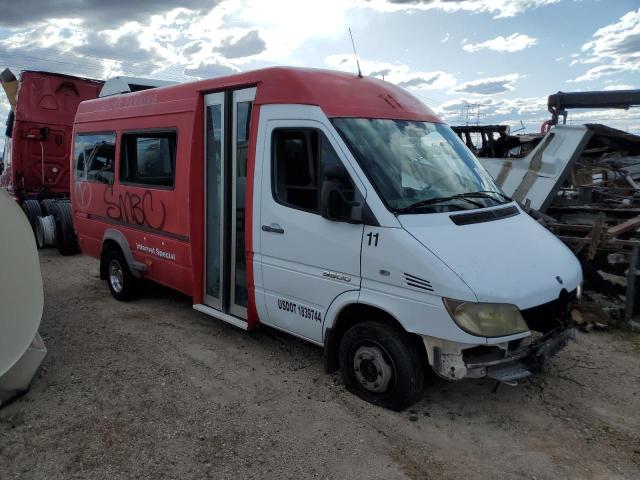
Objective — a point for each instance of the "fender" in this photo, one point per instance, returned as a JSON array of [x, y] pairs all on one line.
[[137, 268], [329, 341], [336, 306]]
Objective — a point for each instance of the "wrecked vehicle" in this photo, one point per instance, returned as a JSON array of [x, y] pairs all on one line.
[[307, 201], [496, 140], [581, 182]]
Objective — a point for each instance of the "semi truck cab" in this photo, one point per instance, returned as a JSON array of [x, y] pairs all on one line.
[[336, 208]]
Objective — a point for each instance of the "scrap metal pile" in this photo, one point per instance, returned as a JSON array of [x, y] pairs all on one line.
[[583, 183]]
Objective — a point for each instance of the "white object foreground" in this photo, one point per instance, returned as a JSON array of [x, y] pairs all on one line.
[[21, 302]]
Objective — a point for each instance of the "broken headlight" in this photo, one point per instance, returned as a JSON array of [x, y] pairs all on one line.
[[486, 319]]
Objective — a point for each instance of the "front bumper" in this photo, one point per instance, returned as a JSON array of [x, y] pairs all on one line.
[[503, 362]]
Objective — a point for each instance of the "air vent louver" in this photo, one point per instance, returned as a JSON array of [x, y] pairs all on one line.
[[417, 282], [484, 215]]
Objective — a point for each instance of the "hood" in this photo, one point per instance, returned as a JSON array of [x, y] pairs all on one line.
[[511, 260]]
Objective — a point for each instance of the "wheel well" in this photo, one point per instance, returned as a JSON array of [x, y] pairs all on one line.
[[351, 315], [106, 246]]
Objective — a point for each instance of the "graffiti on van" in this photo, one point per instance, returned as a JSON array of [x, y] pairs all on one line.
[[83, 195], [133, 208]]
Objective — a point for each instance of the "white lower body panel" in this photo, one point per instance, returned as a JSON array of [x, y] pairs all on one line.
[[221, 316]]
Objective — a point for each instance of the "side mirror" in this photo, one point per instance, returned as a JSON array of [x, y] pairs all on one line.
[[336, 172], [334, 204]]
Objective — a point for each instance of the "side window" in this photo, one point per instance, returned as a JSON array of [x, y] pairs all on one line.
[[94, 155], [299, 160], [148, 158]]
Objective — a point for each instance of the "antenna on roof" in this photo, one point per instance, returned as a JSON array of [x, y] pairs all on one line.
[[355, 53]]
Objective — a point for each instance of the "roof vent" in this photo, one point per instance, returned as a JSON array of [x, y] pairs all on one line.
[[118, 85]]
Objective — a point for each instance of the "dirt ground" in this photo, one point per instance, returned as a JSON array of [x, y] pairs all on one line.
[[153, 389]]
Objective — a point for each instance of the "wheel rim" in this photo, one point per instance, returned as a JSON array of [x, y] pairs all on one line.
[[116, 278], [373, 367]]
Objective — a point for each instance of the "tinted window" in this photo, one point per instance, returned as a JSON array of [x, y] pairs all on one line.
[[148, 158], [299, 159], [94, 155]]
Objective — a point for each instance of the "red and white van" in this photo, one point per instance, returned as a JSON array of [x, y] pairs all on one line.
[[337, 208]]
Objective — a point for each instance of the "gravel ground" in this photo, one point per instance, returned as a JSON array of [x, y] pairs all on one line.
[[153, 389]]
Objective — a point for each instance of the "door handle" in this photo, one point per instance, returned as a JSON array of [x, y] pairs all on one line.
[[273, 228]]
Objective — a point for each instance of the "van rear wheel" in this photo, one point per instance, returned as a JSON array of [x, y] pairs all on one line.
[[382, 365], [122, 284], [66, 238]]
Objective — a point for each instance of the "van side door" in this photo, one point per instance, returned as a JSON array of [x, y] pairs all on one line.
[[307, 260]]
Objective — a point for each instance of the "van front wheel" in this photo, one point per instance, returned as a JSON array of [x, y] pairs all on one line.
[[122, 283], [382, 365]]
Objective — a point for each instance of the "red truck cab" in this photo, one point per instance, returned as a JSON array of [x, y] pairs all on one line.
[[35, 166]]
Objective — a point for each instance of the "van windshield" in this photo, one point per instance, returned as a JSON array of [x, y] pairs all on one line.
[[419, 167]]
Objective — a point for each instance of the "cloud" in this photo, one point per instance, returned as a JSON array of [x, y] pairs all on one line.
[[620, 86], [600, 71], [512, 43], [125, 48], [497, 8], [28, 52], [620, 38], [616, 47], [101, 13], [420, 81], [245, 46], [385, 72], [210, 70], [490, 85], [397, 73], [532, 111]]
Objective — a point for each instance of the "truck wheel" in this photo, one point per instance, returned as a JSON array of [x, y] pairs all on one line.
[[122, 283], [65, 234], [46, 231], [382, 365], [32, 210], [48, 206]]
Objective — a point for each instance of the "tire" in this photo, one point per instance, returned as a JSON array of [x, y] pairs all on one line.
[[32, 210], [65, 234], [122, 284], [46, 231], [48, 206], [382, 364]]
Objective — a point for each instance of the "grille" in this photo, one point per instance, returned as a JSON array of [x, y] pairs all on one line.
[[549, 316], [417, 282]]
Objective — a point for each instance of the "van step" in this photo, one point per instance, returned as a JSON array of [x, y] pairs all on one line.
[[221, 316], [510, 373]]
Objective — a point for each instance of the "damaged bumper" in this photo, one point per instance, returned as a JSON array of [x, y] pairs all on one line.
[[507, 362]]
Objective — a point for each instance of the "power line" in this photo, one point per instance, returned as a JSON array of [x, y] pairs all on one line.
[[25, 62]]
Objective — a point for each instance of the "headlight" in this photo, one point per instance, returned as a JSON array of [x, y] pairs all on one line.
[[486, 319]]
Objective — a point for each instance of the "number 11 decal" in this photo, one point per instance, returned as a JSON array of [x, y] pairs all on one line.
[[373, 238]]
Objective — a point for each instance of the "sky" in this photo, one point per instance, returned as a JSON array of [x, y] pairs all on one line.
[[486, 61]]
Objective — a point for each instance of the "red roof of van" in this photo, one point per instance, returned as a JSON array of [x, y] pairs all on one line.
[[338, 94]]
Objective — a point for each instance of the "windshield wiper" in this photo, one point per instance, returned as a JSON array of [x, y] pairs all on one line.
[[435, 200], [484, 194]]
